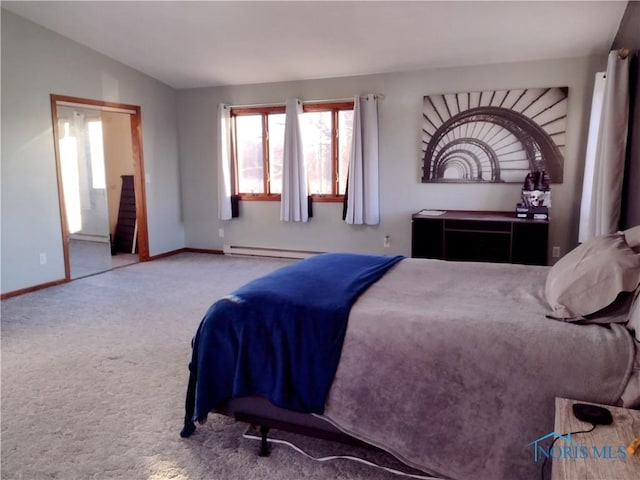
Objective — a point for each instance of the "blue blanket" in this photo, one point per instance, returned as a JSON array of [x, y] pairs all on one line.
[[279, 336]]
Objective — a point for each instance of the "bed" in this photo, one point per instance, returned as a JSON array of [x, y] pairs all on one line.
[[457, 363]]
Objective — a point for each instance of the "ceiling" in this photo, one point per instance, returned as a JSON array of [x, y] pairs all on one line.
[[196, 44]]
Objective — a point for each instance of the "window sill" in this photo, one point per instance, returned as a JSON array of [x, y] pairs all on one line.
[[261, 197], [258, 197], [327, 198]]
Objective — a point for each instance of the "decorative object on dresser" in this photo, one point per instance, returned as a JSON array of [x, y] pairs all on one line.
[[536, 196], [479, 236]]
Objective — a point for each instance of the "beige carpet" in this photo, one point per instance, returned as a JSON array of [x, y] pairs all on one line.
[[94, 374]]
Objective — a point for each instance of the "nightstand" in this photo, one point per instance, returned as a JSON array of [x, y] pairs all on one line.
[[600, 454]]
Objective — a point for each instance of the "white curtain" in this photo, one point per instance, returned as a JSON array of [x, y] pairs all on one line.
[[224, 162], [590, 157], [294, 198], [604, 163], [362, 196]]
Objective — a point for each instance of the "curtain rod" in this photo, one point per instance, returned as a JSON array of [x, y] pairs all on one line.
[[377, 95], [275, 104]]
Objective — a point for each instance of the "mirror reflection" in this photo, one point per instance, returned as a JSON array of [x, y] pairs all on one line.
[[96, 161]]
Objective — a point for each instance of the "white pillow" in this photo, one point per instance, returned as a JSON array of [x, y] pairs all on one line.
[[591, 276]]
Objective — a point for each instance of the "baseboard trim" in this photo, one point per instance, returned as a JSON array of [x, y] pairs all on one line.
[[204, 250], [163, 255], [186, 250], [34, 288]]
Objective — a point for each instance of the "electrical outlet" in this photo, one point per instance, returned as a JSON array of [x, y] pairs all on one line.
[[387, 241], [221, 232], [43, 258], [555, 252]]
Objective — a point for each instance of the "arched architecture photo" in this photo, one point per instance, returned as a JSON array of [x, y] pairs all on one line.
[[494, 136]]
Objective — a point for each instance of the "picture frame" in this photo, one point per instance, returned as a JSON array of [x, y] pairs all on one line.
[[494, 136]]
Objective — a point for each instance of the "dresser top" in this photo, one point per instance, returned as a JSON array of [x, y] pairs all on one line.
[[477, 215]]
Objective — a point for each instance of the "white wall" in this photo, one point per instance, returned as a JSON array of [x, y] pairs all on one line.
[[35, 63], [402, 193]]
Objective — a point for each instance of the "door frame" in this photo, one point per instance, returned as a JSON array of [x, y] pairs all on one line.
[[138, 169]]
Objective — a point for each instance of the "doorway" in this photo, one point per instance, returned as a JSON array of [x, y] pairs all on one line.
[[100, 184]]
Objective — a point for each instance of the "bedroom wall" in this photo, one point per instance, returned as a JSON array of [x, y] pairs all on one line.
[[35, 63], [401, 193]]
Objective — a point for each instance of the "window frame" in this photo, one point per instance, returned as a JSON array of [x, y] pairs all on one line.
[[264, 111]]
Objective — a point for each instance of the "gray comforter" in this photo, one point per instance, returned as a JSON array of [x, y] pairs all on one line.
[[453, 367]]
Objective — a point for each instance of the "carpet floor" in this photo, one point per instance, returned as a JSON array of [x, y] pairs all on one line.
[[94, 375]]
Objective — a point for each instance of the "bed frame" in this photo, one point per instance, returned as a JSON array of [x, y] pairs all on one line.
[[260, 412]]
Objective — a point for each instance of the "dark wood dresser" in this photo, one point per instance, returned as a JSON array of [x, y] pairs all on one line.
[[480, 237]]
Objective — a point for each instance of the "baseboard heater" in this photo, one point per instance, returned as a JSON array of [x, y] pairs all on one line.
[[267, 252]]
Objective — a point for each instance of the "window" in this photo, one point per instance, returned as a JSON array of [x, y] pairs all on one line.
[[259, 143]]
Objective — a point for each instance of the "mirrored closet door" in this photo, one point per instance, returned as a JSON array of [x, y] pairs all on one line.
[[82, 170], [97, 169]]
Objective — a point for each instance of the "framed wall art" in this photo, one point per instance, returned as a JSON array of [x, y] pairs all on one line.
[[496, 136]]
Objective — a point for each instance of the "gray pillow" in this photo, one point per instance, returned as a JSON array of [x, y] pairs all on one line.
[[591, 276], [632, 237], [634, 315]]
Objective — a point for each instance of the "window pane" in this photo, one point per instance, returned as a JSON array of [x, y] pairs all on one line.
[[250, 158], [316, 138], [276, 148], [345, 135]]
